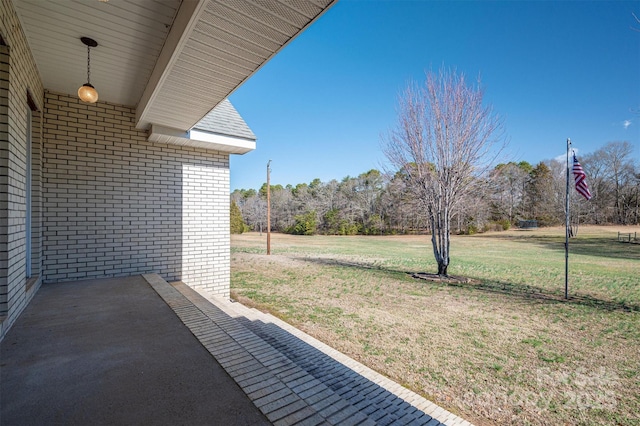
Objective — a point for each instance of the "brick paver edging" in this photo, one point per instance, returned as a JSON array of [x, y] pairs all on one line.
[[282, 369]]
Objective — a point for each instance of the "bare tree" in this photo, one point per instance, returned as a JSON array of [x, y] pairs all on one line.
[[443, 138], [508, 182], [619, 165]]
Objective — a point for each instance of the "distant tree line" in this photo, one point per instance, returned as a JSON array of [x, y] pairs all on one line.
[[376, 203]]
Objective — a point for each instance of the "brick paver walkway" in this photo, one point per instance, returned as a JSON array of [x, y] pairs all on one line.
[[291, 377]]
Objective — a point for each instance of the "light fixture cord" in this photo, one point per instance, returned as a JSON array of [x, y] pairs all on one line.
[[88, 65]]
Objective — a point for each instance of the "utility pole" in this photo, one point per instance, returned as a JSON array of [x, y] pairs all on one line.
[[268, 208]]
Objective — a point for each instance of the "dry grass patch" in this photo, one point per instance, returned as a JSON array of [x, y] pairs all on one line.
[[501, 349]]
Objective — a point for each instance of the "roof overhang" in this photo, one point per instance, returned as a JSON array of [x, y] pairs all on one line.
[[201, 139], [173, 60]]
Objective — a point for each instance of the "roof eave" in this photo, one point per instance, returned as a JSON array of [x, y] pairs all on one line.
[[178, 93], [185, 21], [199, 139]]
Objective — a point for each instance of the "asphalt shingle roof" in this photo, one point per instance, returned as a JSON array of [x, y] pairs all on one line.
[[225, 120]]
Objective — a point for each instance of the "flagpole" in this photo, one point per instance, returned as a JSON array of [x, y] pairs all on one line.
[[268, 208], [566, 230]]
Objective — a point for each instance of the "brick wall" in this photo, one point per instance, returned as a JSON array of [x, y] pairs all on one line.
[[115, 204], [18, 76], [36, 194]]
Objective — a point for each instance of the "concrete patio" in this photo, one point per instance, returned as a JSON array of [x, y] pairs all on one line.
[[111, 351]]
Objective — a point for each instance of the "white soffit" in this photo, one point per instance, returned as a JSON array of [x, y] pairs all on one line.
[[214, 46], [130, 36], [174, 60], [200, 139]]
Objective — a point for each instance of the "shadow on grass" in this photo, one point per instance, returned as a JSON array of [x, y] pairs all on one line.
[[537, 294], [521, 291], [588, 246]]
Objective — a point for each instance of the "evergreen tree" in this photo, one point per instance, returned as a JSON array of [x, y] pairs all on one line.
[[237, 224]]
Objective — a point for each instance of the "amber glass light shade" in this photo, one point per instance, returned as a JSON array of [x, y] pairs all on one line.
[[88, 93]]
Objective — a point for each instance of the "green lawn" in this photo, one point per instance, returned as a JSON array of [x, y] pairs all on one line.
[[504, 348]]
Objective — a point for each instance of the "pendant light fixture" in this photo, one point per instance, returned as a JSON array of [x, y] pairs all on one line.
[[87, 92]]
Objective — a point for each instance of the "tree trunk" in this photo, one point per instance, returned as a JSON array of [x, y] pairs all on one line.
[[439, 223], [442, 269]]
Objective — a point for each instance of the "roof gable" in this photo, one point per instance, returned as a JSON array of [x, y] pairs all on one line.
[[225, 120]]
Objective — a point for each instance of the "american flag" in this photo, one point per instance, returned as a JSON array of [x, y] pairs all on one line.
[[581, 179]]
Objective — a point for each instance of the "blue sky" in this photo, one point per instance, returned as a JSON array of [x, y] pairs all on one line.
[[551, 69]]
